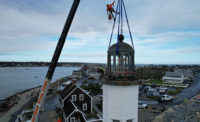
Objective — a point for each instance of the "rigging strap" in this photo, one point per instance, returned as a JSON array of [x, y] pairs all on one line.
[[128, 24], [119, 22]]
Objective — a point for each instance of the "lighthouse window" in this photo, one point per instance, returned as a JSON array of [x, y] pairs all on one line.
[[112, 62], [117, 63]]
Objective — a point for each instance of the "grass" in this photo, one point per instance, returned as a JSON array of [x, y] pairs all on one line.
[[155, 97], [175, 92], [157, 82], [161, 82], [154, 81]]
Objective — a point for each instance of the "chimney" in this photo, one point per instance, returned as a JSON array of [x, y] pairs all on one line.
[[74, 81]]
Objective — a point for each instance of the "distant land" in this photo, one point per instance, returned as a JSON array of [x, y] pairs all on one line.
[[80, 64], [46, 64]]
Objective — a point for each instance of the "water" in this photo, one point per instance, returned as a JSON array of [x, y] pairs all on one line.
[[15, 79]]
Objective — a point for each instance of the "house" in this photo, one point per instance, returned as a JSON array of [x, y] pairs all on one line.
[[72, 113], [77, 74], [187, 73], [85, 70], [173, 77], [94, 75], [76, 104]]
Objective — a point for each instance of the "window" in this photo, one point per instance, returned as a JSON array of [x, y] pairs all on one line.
[[116, 120], [85, 106], [81, 97], [72, 119], [130, 120], [73, 97]]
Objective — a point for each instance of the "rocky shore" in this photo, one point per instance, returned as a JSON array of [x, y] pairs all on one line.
[[189, 111]]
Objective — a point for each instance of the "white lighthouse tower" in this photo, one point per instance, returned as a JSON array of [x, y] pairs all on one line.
[[120, 92]]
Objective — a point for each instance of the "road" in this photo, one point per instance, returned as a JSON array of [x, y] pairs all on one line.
[[48, 116], [187, 93], [15, 115], [52, 103]]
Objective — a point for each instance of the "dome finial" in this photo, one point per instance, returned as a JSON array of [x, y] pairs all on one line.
[[121, 37]]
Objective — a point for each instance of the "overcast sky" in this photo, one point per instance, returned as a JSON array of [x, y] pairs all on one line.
[[164, 31]]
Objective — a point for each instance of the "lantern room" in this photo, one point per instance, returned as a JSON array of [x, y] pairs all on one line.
[[120, 61]]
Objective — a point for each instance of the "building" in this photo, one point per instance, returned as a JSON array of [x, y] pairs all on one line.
[[77, 74], [120, 91], [94, 75], [187, 73], [76, 104], [173, 77], [85, 70]]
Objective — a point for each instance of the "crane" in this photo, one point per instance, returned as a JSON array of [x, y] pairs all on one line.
[[54, 61], [60, 45]]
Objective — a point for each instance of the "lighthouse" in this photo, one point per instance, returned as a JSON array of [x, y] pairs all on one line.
[[120, 91]]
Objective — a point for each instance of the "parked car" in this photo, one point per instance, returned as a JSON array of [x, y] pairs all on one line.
[[140, 87], [152, 90], [152, 93], [149, 94], [158, 109], [166, 98], [146, 89], [162, 89], [142, 105]]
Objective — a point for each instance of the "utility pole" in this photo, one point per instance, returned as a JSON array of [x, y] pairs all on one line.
[[54, 61]]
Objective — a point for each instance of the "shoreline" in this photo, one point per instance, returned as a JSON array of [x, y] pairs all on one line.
[[7, 104], [19, 92], [14, 103], [28, 89]]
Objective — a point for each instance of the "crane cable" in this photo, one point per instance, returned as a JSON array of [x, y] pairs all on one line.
[[128, 24], [120, 6]]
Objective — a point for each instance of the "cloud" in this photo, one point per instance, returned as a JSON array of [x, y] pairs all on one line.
[[158, 27]]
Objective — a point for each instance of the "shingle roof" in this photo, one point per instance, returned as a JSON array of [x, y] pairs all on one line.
[[69, 108], [67, 90]]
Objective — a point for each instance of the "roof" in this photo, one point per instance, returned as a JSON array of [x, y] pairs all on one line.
[[122, 46], [69, 108], [67, 90], [173, 74]]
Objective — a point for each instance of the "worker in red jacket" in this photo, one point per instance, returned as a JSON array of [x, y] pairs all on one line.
[[111, 10]]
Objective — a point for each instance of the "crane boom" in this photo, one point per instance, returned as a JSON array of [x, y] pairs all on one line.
[[54, 61]]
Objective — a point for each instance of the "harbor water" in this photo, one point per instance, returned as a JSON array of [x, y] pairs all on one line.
[[16, 79]]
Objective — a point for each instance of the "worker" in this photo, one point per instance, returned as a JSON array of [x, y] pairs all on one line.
[[110, 10], [185, 101], [59, 120]]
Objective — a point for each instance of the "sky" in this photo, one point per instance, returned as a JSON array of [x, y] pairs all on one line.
[[164, 31]]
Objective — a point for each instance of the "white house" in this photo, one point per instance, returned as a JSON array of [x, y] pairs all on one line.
[[94, 75], [77, 74], [173, 77], [187, 73]]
